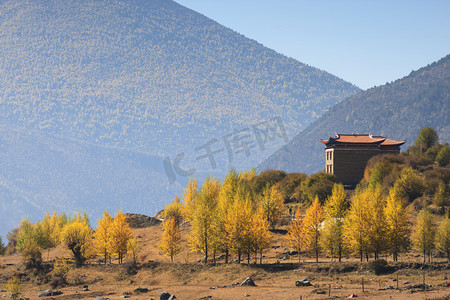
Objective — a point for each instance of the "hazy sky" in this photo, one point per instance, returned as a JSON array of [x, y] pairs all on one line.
[[367, 43]]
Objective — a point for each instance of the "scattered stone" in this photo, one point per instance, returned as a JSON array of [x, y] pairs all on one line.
[[85, 288], [406, 282], [48, 293], [246, 295], [164, 296], [352, 296], [247, 282], [293, 252], [320, 292], [45, 293], [124, 296], [419, 286], [205, 298], [101, 298], [303, 282], [172, 297], [141, 290], [23, 298]]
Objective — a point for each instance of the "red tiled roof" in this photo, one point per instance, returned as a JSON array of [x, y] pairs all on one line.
[[388, 142], [361, 139]]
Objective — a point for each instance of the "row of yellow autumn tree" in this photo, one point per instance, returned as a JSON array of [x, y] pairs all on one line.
[[224, 218], [111, 238], [229, 218]]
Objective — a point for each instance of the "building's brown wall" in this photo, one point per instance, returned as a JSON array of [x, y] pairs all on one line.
[[349, 164]]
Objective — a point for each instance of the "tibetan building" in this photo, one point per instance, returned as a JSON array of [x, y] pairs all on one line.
[[347, 154]]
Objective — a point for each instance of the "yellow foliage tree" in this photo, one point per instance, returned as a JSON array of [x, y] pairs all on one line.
[[424, 233], [443, 236], [273, 204], [171, 239], [32, 255], [120, 235], [238, 226], [60, 268], [202, 216], [228, 190], [409, 184], [397, 230], [133, 248], [48, 226], [260, 234], [376, 229], [78, 237], [311, 227], [295, 235], [356, 224], [13, 287], [335, 210], [441, 197], [59, 222], [189, 198], [174, 211], [30, 234], [103, 234]]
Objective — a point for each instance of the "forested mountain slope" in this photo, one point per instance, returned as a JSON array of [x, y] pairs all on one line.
[[397, 110], [140, 76]]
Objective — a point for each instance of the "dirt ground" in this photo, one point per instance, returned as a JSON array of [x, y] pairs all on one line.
[[189, 278]]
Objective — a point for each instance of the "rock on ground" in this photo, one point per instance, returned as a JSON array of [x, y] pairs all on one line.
[[303, 282], [164, 296], [248, 282]]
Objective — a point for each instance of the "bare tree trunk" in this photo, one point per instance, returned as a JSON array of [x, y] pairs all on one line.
[[206, 249]]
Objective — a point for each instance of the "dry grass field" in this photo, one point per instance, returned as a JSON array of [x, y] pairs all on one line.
[[188, 278]]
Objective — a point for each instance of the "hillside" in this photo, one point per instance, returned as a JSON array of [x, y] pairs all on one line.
[[146, 74], [397, 110], [82, 83]]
